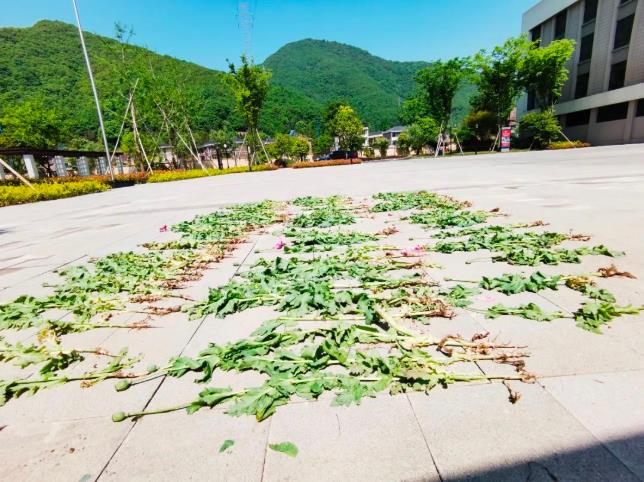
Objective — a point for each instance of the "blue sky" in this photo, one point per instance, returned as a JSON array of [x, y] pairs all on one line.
[[206, 31]]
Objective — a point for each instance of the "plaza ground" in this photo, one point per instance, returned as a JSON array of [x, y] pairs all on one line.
[[583, 420]]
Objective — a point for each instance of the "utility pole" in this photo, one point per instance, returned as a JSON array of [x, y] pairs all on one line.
[[93, 84]]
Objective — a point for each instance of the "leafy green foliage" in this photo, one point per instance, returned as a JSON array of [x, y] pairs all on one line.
[[592, 316], [323, 218], [10, 195], [311, 202], [226, 445], [180, 175], [540, 128], [498, 78], [519, 248], [10, 389], [437, 85], [31, 124], [511, 284], [544, 73], [402, 201], [529, 311], [326, 71], [308, 241], [346, 125], [445, 218], [286, 448]]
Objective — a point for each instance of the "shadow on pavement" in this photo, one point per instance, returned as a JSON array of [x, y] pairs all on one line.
[[618, 460]]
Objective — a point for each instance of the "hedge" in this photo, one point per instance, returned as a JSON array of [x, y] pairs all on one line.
[[566, 145], [334, 162], [10, 195], [166, 176], [12, 192]]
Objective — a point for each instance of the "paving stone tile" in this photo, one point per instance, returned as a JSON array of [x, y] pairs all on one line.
[[474, 433], [178, 446], [58, 451], [611, 407], [378, 440]]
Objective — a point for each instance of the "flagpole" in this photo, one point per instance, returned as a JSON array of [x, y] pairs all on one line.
[[91, 81]]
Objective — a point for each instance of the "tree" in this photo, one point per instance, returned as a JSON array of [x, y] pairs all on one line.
[[404, 143], [32, 124], [224, 139], [382, 144], [498, 78], [300, 147], [479, 126], [323, 143], [329, 113], [422, 133], [347, 126], [436, 86], [130, 146], [250, 85], [540, 128], [543, 71], [281, 147]]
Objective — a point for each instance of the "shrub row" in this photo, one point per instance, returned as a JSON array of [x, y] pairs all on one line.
[[334, 162], [45, 191], [166, 176], [566, 145], [13, 192]]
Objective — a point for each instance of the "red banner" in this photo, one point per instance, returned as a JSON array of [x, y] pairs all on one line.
[[506, 138]]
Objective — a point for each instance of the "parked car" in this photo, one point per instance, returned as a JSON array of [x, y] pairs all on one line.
[[338, 155]]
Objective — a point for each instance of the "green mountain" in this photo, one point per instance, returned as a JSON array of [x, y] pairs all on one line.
[[325, 71], [45, 61]]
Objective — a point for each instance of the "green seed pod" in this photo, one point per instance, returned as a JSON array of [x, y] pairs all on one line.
[[123, 385], [119, 417], [152, 368]]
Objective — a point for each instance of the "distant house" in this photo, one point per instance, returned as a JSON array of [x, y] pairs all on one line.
[[370, 137], [393, 134]]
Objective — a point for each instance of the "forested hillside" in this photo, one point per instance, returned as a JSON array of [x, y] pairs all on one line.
[[45, 61], [327, 71]]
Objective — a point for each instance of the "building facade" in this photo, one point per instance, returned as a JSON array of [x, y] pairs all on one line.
[[603, 100]]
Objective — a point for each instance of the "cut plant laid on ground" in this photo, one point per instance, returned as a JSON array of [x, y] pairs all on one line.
[[354, 314]]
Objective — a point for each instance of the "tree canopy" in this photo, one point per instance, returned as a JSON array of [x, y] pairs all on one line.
[[31, 124], [347, 126], [543, 72]]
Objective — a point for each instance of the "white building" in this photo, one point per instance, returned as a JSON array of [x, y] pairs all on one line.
[[603, 100]]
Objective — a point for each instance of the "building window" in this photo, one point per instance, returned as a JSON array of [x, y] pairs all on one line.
[[531, 100], [535, 33], [590, 10], [581, 88], [586, 48], [560, 25], [579, 118], [623, 31], [640, 108], [612, 112], [617, 75]]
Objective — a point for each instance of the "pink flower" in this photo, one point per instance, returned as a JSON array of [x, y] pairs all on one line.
[[419, 248], [163, 229], [280, 244], [406, 253]]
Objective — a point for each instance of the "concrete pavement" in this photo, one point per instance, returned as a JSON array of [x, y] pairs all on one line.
[[584, 420]]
